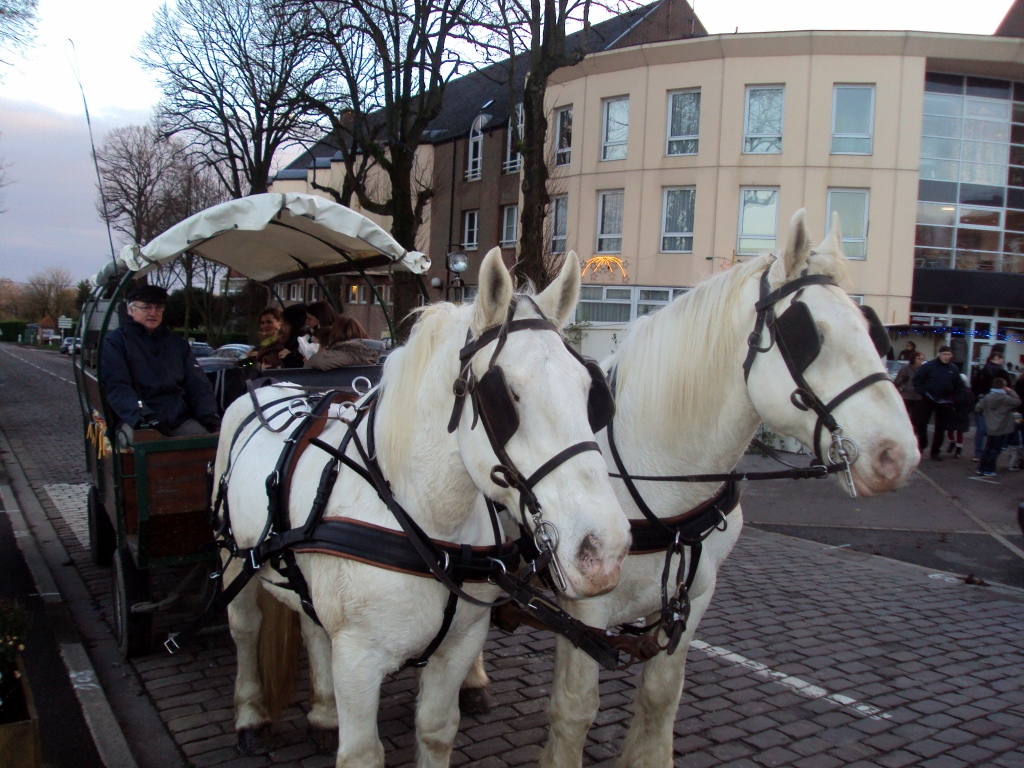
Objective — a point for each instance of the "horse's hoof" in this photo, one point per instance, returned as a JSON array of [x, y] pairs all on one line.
[[324, 739], [255, 741], [475, 701]]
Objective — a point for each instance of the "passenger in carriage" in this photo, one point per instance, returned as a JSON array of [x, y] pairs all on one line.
[[284, 353], [151, 378], [343, 347], [320, 319], [270, 327]]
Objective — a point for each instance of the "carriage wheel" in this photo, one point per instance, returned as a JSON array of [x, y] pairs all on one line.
[[102, 537], [128, 586]]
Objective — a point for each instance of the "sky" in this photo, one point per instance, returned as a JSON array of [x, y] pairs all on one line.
[[50, 214]]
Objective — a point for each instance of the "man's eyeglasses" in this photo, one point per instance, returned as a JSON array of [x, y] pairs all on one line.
[[146, 308]]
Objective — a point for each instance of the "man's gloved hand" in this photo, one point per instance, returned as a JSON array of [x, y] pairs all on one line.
[[212, 423], [151, 422]]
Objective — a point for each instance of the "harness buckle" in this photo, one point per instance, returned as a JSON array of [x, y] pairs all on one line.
[[253, 563], [171, 644]]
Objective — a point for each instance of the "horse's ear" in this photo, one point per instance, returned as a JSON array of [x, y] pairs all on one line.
[[495, 292], [833, 242], [798, 245], [558, 300]]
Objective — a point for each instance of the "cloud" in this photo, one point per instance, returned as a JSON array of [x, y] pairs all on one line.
[[51, 217]]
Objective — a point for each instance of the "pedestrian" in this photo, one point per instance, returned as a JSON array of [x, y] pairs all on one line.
[[937, 381], [980, 386], [904, 382], [960, 419], [997, 407], [908, 352]]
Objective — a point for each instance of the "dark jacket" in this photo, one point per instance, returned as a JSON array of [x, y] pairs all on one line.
[[938, 381], [342, 353], [982, 383], [904, 382], [157, 368]]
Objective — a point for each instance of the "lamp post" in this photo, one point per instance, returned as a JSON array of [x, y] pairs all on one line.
[[456, 262]]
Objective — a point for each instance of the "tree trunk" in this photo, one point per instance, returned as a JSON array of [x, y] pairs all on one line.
[[534, 264]]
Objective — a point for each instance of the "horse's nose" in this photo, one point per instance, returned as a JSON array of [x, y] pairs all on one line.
[[600, 565], [892, 465]]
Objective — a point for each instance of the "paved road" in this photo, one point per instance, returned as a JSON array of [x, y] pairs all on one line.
[[813, 655]]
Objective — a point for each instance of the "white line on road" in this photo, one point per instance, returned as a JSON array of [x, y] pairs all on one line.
[[26, 362], [796, 684]]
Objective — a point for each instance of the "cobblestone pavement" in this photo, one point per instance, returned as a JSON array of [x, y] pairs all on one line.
[[810, 656]]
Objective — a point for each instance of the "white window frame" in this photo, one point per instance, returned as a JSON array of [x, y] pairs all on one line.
[[609, 241], [471, 229], [312, 293], [294, 291], [869, 136], [509, 226], [858, 231], [514, 160], [682, 137], [613, 149], [769, 243], [751, 139], [563, 154], [666, 233], [558, 222], [356, 294], [475, 149]]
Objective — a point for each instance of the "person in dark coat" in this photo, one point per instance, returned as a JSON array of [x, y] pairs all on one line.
[[904, 382], [938, 382], [981, 385], [151, 378], [960, 419], [284, 353]]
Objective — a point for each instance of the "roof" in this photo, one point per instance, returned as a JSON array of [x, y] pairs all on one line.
[[273, 236], [485, 91]]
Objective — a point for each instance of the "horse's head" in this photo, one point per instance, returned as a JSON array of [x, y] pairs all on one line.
[[524, 432], [822, 380]]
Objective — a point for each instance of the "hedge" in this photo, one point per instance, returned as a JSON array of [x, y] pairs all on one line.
[[10, 330]]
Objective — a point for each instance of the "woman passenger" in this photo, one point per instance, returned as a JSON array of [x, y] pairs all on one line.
[[343, 347]]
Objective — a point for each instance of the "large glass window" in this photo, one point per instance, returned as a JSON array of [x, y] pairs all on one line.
[[615, 128], [677, 219], [853, 118], [759, 220], [475, 149], [514, 160], [609, 221], [470, 230], [683, 122], [762, 121], [557, 222], [563, 135], [852, 207], [509, 225], [621, 304]]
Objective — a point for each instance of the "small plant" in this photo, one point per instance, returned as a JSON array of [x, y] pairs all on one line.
[[13, 629]]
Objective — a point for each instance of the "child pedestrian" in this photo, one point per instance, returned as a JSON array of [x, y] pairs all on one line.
[[997, 408]]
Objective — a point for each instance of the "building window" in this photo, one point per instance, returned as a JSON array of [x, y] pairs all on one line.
[[509, 226], [558, 218], [852, 207], [385, 295], [683, 122], [470, 230], [604, 304], [514, 160], [312, 293], [563, 135], [475, 149], [357, 294], [677, 220], [609, 221], [762, 133], [853, 116], [295, 292], [759, 220], [615, 128]]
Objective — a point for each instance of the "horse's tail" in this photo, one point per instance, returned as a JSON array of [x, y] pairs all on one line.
[[277, 653]]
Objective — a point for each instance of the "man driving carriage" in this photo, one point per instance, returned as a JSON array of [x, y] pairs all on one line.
[[150, 376]]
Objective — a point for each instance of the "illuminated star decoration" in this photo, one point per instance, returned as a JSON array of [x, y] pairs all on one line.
[[611, 263]]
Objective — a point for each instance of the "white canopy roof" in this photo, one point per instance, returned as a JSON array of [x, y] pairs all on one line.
[[267, 236]]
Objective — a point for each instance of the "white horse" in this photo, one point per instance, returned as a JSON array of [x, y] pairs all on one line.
[[685, 407], [373, 618]]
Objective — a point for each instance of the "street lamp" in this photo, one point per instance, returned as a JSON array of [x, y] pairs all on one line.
[[456, 262]]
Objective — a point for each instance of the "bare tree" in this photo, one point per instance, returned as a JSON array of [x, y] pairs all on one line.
[[231, 73], [11, 299], [388, 62], [48, 293], [18, 19]]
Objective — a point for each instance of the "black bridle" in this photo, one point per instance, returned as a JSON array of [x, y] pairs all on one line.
[[493, 405], [796, 335]]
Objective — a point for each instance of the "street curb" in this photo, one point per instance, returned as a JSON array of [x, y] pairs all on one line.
[[66, 595]]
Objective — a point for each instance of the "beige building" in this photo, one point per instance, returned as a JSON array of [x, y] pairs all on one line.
[[672, 160]]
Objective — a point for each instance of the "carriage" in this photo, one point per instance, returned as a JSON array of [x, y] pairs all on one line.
[[147, 504]]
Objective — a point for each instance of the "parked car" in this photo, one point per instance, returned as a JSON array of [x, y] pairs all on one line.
[[893, 367], [232, 351], [201, 348], [67, 344]]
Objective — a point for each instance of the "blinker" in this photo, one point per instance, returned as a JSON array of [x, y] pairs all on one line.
[[797, 335], [879, 336], [496, 406]]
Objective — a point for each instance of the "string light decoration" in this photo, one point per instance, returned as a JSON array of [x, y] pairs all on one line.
[[611, 263], [942, 330]]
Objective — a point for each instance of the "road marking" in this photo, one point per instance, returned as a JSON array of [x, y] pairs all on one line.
[[795, 684], [981, 523], [72, 503], [26, 362]]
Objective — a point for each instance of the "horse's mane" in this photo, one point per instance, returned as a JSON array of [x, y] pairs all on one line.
[[408, 372]]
